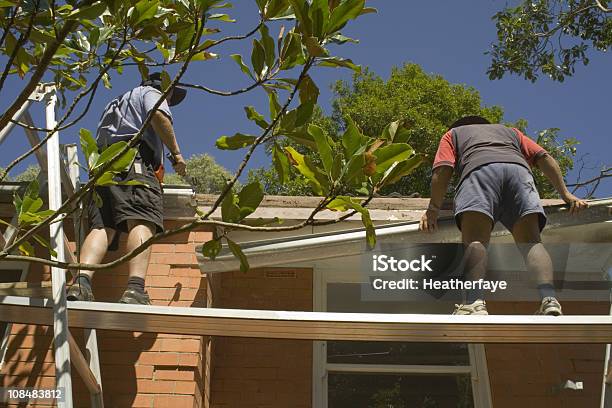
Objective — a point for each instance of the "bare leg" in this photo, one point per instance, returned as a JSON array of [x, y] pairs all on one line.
[[94, 247], [475, 234], [526, 233], [140, 231]]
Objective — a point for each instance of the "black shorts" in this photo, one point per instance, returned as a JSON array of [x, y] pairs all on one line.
[[123, 203]]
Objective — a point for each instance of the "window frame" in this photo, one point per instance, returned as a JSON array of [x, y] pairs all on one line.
[[477, 369]]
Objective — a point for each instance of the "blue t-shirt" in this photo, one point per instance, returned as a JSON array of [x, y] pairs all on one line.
[[123, 117]]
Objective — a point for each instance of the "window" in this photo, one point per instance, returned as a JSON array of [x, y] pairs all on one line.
[[391, 374]]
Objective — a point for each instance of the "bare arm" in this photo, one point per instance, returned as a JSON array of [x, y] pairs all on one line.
[[163, 129], [551, 170], [439, 184]]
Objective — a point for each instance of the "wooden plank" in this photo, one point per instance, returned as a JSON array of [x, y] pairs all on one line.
[[315, 325], [27, 289]]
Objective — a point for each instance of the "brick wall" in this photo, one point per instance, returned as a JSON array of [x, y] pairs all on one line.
[[138, 369], [530, 375], [262, 372]]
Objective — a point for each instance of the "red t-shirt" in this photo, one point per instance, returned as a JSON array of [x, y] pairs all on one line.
[[446, 154]]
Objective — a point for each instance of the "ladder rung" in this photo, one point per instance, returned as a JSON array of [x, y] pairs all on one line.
[[27, 289]]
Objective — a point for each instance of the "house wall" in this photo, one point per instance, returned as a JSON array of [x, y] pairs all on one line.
[[530, 375], [138, 369], [262, 372]]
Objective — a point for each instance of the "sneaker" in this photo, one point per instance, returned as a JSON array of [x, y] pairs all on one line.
[[80, 292], [550, 306], [479, 307], [133, 297]]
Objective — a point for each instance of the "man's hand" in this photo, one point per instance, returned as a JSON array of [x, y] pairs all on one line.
[[576, 204], [179, 165], [429, 221]]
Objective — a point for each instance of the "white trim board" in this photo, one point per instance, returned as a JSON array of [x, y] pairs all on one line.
[[316, 325]]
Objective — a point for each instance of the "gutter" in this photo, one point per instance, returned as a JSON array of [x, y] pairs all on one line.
[[293, 250]]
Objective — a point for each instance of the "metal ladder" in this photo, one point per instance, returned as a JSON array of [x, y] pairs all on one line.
[[58, 174]]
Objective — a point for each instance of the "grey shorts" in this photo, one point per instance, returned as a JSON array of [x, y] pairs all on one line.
[[503, 191]]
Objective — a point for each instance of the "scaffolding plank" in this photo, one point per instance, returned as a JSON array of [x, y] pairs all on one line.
[[28, 289], [316, 325]]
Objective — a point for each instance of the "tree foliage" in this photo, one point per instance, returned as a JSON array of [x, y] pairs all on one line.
[[422, 105], [425, 105], [208, 176], [549, 37], [78, 45]]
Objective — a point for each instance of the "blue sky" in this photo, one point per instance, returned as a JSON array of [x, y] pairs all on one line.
[[445, 37]]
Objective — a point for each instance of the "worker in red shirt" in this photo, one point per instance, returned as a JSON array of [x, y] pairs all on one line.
[[495, 184]]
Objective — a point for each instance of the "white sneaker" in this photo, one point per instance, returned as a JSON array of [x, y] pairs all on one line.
[[550, 306], [479, 307]]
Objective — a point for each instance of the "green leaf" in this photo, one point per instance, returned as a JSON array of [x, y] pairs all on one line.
[[275, 8], [33, 190], [336, 62], [390, 130], [305, 168], [256, 117], [249, 198], [211, 248], [314, 48], [319, 16], [386, 156], [165, 80], [221, 17], [238, 141], [308, 90], [281, 164], [344, 203], [323, 146], [44, 243], [26, 249], [301, 136], [292, 53], [347, 10], [403, 169], [121, 164], [352, 139], [230, 212], [183, 38], [106, 81], [275, 107], [258, 58], [300, 9], [342, 39], [237, 251], [89, 146], [243, 67], [268, 44], [145, 10], [304, 113], [106, 179], [97, 199], [88, 12]]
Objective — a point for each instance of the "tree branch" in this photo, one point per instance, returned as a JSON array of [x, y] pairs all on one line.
[[259, 140], [106, 166], [23, 37], [58, 127], [41, 68], [602, 7]]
